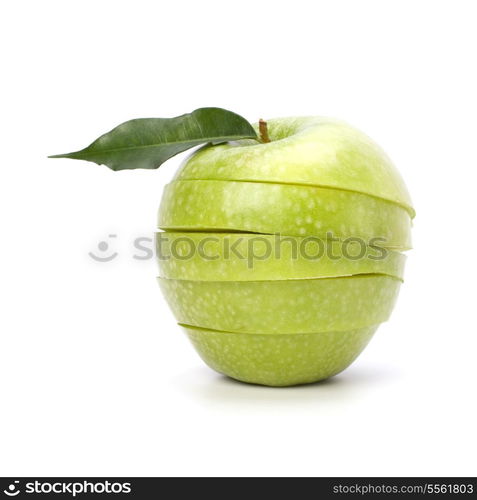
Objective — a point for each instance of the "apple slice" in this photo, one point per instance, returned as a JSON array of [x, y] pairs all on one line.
[[288, 306], [279, 360], [253, 257], [306, 150], [285, 209]]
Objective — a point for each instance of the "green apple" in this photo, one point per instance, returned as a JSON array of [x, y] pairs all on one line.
[[313, 151], [272, 318], [283, 307], [285, 209], [285, 320], [279, 360], [252, 257]]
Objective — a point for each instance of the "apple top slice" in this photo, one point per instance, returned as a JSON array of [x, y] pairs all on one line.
[[314, 151]]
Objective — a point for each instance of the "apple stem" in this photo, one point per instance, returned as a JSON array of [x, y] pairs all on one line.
[[263, 128]]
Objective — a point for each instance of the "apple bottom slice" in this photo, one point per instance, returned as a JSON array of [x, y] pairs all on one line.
[[279, 360], [283, 209], [253, 257], [283, 307]]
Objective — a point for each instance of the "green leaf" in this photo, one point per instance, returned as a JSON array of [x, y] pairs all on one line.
[[149, 142]]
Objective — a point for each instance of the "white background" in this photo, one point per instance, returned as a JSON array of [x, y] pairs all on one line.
[[96, 379]]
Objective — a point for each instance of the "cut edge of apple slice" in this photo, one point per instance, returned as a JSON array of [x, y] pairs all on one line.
[[226, 230], [358, 275], [268, 335], [310, 278]]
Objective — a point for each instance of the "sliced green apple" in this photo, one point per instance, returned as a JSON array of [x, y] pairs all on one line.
[[285, 209], [306, 150], [279, 360], [253, 257], [290, 306]]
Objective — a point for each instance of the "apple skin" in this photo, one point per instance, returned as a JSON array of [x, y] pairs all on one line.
[[283, 307], [208, 257], [287, 324], [279, 360], [311, 150], [284, 209]]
